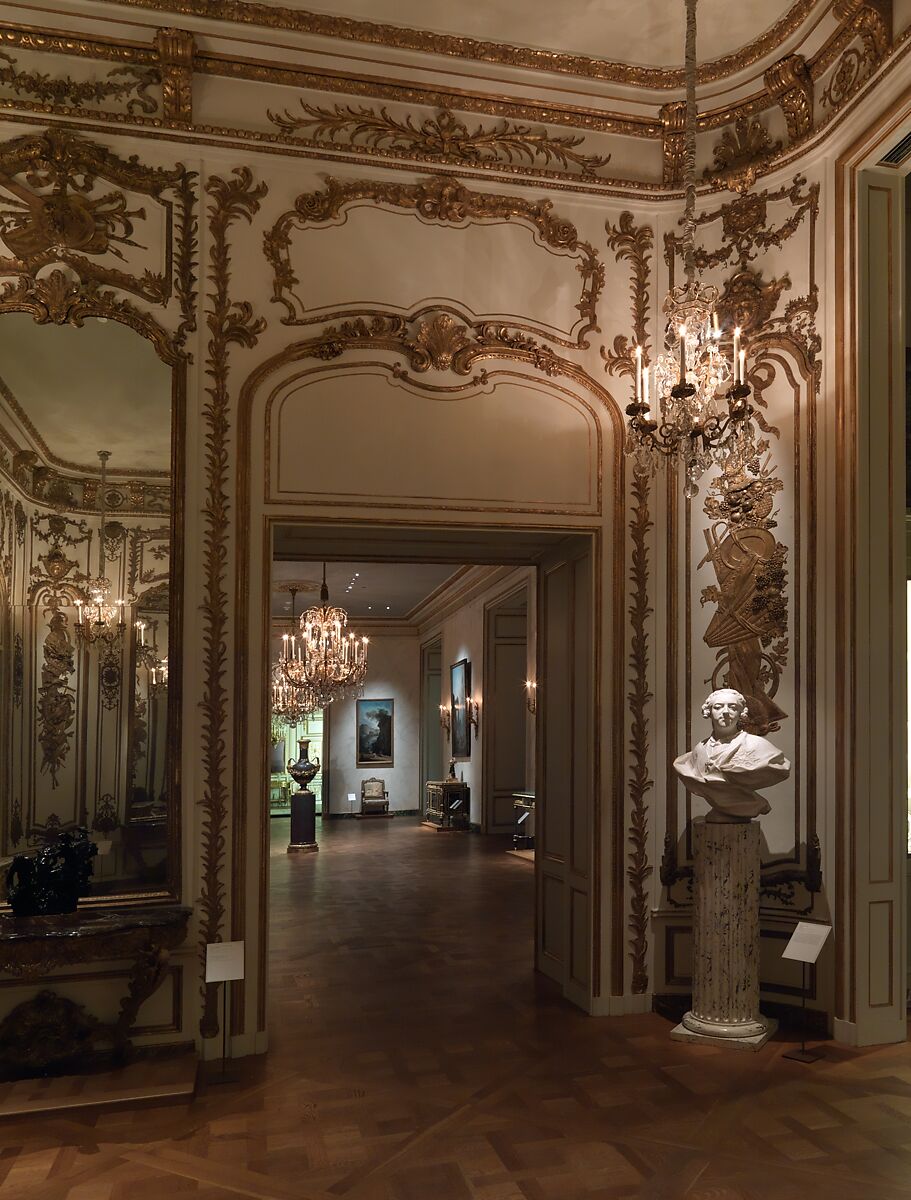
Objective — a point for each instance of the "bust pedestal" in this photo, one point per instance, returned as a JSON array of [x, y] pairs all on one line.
[[726, 938], [303, 823]]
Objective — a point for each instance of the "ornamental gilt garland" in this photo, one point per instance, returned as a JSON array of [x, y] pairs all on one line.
[[443, 138]]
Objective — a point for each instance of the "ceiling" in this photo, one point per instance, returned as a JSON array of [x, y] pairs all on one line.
[[98, 387], [641, 32], [365, 589]]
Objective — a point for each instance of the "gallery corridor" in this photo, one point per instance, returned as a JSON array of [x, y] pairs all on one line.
[[413, 1057]]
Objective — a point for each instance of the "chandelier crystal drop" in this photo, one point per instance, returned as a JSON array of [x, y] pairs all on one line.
[[703, 414], [326, 662], [99, 619]]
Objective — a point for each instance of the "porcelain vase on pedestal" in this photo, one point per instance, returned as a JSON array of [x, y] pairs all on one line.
[[303, 802]]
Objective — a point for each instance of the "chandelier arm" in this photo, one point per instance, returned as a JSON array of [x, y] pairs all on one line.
[[689, 212]]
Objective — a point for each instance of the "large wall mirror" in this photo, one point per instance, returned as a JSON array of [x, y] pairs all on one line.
[[89, 579]]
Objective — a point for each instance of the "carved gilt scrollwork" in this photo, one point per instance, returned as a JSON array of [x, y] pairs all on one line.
[[55, 208], [442, 200], [632, 243]]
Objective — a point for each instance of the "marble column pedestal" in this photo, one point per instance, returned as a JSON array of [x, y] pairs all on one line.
[[726, 939], [303, 823]]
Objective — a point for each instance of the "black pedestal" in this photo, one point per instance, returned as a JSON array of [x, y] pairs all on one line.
[[303, 823]]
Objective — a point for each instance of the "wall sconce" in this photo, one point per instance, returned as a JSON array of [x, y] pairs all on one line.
[[531, 696], [474, 715], [445, 717]]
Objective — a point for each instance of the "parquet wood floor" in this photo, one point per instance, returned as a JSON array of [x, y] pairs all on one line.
[[415, 1057]]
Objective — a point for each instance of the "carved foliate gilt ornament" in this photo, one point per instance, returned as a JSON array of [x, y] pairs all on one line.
[[740, 155], [127, 85], [633, 244], [443, 138], [175, 51], [441, 200], [791, 84], [870, 22]]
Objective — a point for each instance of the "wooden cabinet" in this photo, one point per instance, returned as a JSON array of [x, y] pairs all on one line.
[[447, 804]]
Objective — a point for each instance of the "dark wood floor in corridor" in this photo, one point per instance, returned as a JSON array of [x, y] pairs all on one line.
[[414, 1057]]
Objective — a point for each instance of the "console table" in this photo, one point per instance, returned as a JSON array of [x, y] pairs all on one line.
[[49, 1030], [447, 804]]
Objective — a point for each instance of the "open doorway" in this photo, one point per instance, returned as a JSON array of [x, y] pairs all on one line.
[[459, 610]]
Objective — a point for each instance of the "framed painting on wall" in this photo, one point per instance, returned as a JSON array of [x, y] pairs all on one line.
[[374, 733], [460, 684]]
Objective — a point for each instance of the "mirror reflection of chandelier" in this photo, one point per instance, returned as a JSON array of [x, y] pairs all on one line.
[[99, 619], [290, 705], [325, 660], [696, 377], [147, 655]]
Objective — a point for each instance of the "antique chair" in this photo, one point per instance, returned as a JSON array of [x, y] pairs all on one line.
[[374, 797]]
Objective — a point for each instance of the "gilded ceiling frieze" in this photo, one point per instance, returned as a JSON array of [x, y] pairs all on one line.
[[639, 869], [54, 209], [402, 38], [442, 138], [442, 200], [230, 322], [127, 85]]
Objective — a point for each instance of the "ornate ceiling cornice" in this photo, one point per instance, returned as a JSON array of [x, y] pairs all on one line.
[[248, 12]]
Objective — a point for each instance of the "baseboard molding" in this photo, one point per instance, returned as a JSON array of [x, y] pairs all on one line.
[[394, 812]]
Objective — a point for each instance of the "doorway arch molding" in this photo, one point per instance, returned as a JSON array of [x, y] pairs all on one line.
[[255, 516]]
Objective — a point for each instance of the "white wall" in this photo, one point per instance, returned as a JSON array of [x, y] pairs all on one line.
[[462, 633], [393, 671]]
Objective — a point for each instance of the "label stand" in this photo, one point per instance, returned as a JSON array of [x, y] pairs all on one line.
[[804, 946], [803, 1055], [224, 963]]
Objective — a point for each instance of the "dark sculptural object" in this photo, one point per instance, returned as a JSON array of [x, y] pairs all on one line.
[[53, 880]]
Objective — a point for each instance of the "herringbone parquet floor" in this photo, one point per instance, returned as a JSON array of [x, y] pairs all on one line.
[[415, 1058]]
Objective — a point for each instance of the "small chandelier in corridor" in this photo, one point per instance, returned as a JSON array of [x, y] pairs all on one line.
[[695, 373], [324, 662], [99, 618]]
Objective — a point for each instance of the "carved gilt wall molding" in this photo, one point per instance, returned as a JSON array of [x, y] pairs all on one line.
[[400, 37], [442, 138], [634, 244], [639, 870], [230, 323], [442, 200]]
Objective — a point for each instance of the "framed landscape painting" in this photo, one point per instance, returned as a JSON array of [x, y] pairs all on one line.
[[374, 733], [460, 678]]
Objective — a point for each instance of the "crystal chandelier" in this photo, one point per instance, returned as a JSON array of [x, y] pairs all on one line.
[[290, 704], [703, 412], [325, 660], [99, 619]]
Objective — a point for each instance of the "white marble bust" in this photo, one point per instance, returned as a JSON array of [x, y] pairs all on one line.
[[729, 766]]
